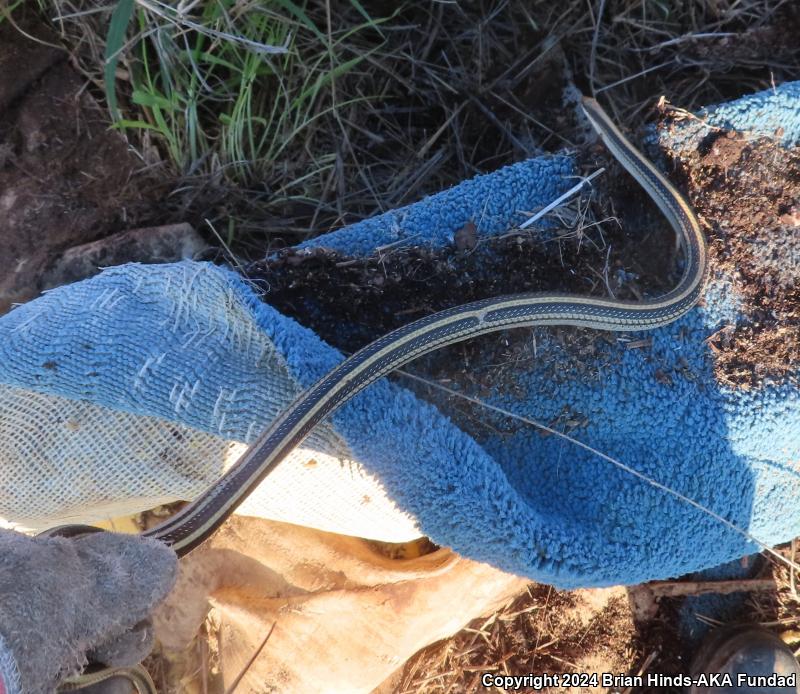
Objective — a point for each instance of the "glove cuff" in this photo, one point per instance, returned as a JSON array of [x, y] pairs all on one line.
[[9, 673]]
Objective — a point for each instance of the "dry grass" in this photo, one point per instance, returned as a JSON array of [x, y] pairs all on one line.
[[542, 631], [413, 100], [545, 630]]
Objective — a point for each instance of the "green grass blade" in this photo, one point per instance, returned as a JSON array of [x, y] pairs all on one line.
[[140, 124], [300, 14], [142, 98], [6, 11], [114, 42], [370, 22], [327, 77]]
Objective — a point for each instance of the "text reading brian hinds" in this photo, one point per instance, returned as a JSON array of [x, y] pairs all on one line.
[[616, 682]]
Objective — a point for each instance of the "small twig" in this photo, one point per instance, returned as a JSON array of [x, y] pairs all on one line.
[[500, 126], [638, 344], [163, 10], [560, 199], [593, 52], [253, 657], [203, 644], [705, 619], [605, 273], [432, 140], [239, 266], [645, 666], [686, 37], [6, 14], [634, 76]]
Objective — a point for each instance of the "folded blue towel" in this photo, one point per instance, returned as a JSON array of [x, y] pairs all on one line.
[[186, 342]]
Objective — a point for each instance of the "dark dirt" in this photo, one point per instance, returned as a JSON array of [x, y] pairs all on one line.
[[542, 631], [351, 301], [747, 192], [547, 630], [21, 63], [65, 178], [629, 252]]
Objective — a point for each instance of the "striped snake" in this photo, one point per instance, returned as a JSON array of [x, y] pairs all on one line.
[[201, 518], [198, 520]]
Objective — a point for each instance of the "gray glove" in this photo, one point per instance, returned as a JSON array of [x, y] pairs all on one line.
[[63, 598]]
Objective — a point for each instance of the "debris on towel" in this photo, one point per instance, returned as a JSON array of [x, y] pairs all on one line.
[[746, 191]]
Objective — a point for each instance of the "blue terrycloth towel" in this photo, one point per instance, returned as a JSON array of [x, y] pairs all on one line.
[[166, 340]]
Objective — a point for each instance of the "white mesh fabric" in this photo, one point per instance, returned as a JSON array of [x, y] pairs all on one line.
[[68, 461]]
